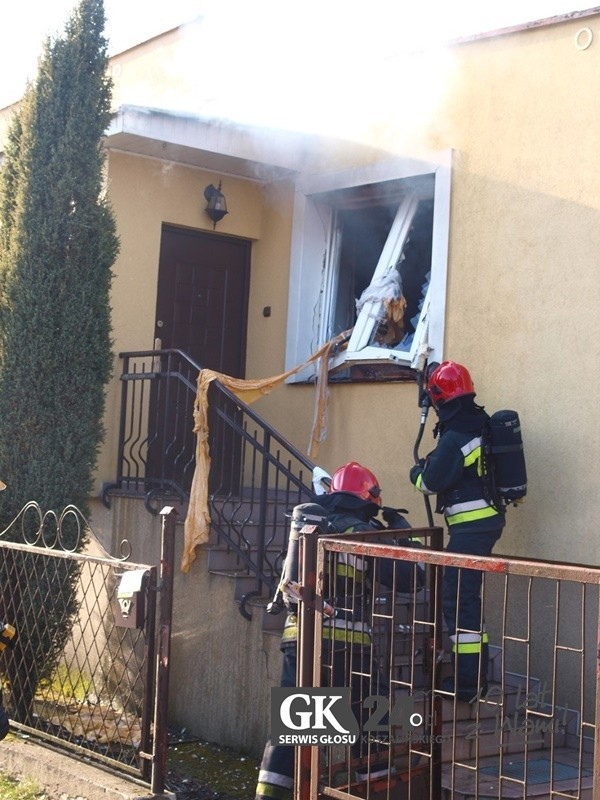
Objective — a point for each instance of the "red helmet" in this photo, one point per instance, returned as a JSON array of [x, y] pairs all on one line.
[[447, 381], [358, 480]]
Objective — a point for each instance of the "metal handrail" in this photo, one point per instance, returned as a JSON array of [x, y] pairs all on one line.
[[256, 475], [537, 705]]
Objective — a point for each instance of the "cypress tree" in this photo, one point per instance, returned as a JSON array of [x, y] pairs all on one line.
[[57, 246]]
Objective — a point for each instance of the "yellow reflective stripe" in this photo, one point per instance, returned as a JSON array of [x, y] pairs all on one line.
[[471, 450], [472, 454], [467, 648], [468, 505], [289, 633], [473, 457], [276, 792], [346, 571], [290, 628], [420, 485], [472, 516], [347, 636], [473, 646]]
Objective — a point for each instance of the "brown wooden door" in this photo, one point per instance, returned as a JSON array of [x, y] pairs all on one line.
[[202, 301], [201, 309]]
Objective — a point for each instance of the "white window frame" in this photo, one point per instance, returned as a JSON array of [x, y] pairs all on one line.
[[313, 274]]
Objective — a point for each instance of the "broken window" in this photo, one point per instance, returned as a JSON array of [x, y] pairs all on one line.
[[370, 259]]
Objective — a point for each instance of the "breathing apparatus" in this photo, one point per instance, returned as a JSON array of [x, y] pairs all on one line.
[[304, 514], [506, 458]]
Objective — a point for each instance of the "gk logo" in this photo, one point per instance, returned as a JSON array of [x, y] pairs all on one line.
[[324, 716], [325, 712], [322, 712]]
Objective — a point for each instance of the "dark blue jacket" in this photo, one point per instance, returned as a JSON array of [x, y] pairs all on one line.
[[455, 470]]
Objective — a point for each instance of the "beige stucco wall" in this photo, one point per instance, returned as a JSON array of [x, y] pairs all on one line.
[[523, 282]]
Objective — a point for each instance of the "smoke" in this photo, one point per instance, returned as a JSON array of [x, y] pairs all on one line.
[[319, 66], [336, 67], [333, 68]]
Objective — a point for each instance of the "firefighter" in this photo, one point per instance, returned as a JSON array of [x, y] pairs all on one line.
[[351, 505], [455, 472]]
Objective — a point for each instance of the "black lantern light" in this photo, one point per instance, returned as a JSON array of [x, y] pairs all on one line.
[[217, 207]]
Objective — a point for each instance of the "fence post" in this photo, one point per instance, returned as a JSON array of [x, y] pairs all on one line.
[[161, 701]]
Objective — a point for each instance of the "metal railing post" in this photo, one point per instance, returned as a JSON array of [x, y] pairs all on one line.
[[262, 511], [124, 399], [596, 789], [161, 704], [307, 560], [149, 688]]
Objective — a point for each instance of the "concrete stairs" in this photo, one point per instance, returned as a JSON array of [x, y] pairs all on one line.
[[224, 561], [512, 744]]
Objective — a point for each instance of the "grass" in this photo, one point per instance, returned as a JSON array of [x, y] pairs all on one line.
[[65, 686], [19, 790]]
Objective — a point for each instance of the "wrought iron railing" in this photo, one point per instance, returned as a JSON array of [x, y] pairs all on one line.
[[256, 476], [156, 443]]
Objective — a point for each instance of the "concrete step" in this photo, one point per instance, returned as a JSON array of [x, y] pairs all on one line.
[[467, 740], [541, 774], [250, 531], [224, 558], [242, 582]]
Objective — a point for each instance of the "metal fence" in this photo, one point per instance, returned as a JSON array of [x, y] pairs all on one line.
[[81, 673], [532, 732]]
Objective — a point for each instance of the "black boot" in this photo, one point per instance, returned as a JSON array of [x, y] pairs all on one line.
[[470, 680]]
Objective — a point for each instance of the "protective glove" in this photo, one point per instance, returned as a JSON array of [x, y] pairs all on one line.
[[415, 472], [393, 517]]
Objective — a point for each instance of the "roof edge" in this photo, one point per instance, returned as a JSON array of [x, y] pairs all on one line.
[[526, 26]]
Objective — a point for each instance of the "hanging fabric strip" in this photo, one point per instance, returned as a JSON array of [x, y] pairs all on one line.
[[197, 523]]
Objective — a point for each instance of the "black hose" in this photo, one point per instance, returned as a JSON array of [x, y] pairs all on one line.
[[424, 411], [424, 403]]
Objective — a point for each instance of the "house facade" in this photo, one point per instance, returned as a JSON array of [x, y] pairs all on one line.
[[502, 180], [476, 214]]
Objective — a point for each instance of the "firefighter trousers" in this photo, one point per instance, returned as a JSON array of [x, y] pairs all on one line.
[[349, 666], [461, 601]]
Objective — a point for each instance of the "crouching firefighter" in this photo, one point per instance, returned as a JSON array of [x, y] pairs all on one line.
[[455, 471], [351, 505]]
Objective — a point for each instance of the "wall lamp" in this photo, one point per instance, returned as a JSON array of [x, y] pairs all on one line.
[[217, 206]]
